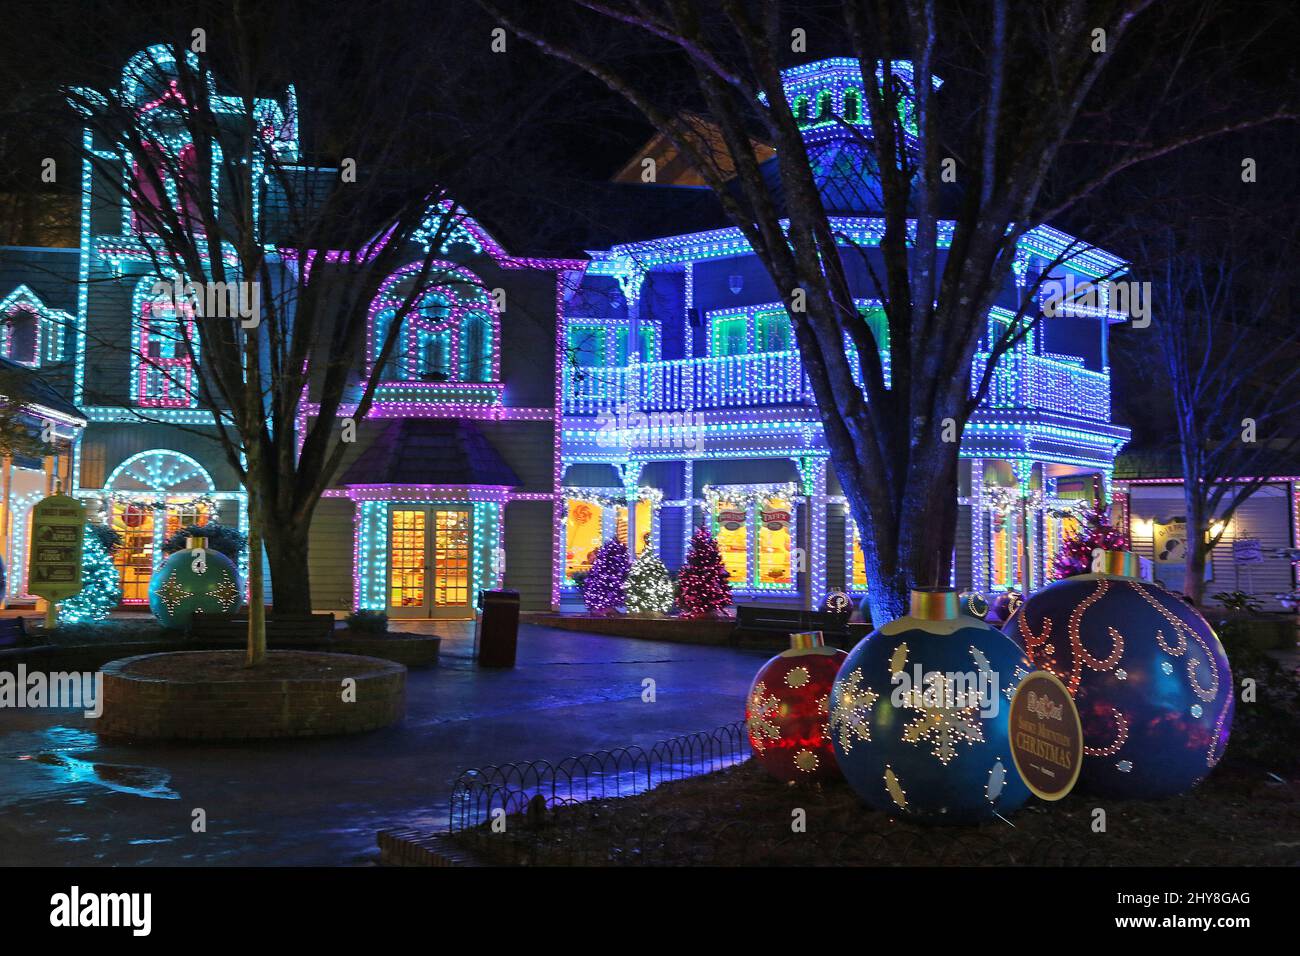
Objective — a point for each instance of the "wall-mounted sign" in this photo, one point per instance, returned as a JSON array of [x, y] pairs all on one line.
[[1247, 551], [54, 567], [732, 518], [776, 519], [1170, 541], [1046, 736]]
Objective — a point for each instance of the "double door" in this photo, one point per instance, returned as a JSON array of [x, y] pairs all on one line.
[[429, 561]]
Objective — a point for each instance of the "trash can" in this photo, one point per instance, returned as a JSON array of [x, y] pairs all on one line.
[[496, 632]]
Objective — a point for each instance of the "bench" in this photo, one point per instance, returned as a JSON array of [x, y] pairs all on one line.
[[281, 630], [758, 619], [12, 631]]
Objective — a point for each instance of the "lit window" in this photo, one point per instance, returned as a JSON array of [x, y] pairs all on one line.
[[858, 576], [729, 336], [732, 524], [772, 332], [774, 565], [163, 369], [644, 529], [582, 536], [447, 336]]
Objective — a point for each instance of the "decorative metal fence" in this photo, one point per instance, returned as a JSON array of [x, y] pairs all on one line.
[[556, 814], [541, 785]]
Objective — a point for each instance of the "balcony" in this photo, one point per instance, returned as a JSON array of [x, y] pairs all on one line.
[[769, 379], [732, 381]]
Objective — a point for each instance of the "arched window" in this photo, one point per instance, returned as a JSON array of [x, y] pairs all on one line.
[[162, 346], [825, 106], [801, 109], [448, 336], [151, 496], [851, 106], [178, 176]]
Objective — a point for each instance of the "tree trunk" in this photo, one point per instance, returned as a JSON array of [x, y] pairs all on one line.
[[256, 603], [286, 553], [926, 534], [1197, 548]]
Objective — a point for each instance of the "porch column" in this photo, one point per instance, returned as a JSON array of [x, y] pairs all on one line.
[[6, 525], [632, 490], [812, 530], [979, 547]]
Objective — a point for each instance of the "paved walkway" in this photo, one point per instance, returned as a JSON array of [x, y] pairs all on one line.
[[68, 798]]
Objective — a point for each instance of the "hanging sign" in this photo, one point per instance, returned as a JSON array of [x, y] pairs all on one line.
[[1247, 551], [1170, 541], [731, 518], [1046, 736], [54, 566], [775, 519]]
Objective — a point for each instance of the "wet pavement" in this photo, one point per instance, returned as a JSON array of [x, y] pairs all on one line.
[[66, 797]]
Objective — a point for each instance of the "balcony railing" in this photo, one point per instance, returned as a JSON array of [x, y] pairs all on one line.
[[777, 378], [731, 381]]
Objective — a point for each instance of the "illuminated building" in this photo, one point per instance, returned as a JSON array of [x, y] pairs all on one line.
[[647, 387]]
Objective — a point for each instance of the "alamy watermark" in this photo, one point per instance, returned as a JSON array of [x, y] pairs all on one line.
[[215, 300], [946, 690], [83, 690], [1060, 297], [678, 431]]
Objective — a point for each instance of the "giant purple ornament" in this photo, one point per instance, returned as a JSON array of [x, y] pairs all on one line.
[[1148, 674]]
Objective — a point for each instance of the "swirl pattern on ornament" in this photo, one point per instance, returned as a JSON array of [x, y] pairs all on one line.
[[1184, 630]]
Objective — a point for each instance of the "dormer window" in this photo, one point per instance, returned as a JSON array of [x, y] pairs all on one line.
[[448, 336], [21, 336]]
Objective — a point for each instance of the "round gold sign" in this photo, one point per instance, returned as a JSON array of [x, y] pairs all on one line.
[[1046, 736]]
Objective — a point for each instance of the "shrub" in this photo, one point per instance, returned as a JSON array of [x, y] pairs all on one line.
[[367, 621], [221, 538]]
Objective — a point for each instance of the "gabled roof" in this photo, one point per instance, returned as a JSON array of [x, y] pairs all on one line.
[[33, 391], [428, 451]]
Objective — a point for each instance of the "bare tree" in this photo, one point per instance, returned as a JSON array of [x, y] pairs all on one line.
[[1033, 118], [274, 281], [1221, 262]]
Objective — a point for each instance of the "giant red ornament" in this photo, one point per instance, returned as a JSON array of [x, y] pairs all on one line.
[[788, 711]]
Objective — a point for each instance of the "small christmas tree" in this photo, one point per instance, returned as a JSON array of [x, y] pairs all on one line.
[[649, 589], [101, 585], [1095, 531], [603, 588], [702, 588]]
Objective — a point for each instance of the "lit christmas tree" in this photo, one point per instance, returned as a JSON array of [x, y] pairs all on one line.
[[1095, 531], [603, 588], [649, 589], [102, 587], [702, 587]]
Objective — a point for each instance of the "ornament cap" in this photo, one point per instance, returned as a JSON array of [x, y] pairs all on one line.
[[934, 604], [194, 543], [1120, 563], [806, 640]]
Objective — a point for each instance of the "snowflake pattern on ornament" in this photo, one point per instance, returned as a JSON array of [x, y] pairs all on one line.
[[851, 715], [763, 708], [945, 727]]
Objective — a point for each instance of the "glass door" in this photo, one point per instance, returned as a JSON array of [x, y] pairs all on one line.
[[429, 562], [451, 563]]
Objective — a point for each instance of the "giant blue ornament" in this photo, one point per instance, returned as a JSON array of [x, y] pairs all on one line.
[[919, 715], [1147, 673], [196, 580]]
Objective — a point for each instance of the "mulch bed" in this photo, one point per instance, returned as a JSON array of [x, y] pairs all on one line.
[[230, 666], [741, 816]]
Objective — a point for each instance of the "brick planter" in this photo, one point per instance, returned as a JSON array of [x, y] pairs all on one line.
[[207, 695]]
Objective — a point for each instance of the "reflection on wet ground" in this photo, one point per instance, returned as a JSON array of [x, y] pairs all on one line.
[[69, 797]]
